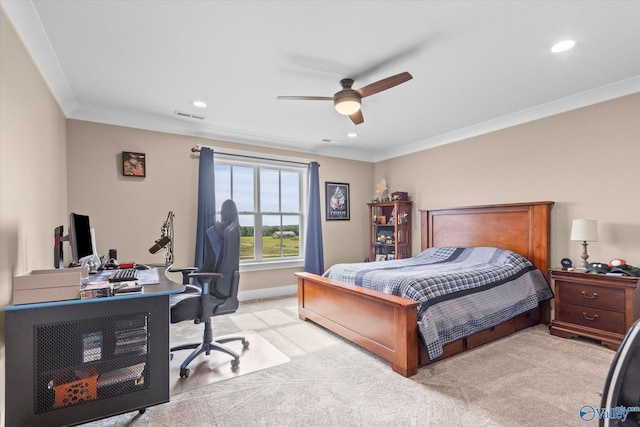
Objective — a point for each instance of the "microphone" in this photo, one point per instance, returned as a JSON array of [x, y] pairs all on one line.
[[160, 243]]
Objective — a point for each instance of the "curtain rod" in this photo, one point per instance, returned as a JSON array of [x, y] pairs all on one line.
[[196, 149]]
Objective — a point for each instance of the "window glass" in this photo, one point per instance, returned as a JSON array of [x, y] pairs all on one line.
[[290, 191], [243, 188], [290, 235], [271, 236], [247, 236], [223, 184], [269, 190], [272, 232]]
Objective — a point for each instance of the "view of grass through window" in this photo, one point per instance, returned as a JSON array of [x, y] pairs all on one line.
[[274, 243]]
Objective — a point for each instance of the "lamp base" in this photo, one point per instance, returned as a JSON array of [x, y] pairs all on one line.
[[584, 256]]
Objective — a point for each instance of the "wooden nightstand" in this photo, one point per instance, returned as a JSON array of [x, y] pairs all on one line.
[[595, 306]]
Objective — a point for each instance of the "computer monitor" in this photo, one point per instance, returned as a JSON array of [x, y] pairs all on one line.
[[58, 247], [621, 395], [80, 237]]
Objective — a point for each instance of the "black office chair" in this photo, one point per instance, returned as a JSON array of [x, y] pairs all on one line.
[[212, 290]]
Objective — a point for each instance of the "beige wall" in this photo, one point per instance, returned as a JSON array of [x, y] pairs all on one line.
[[584, 160], [96, 184], [33, 183]]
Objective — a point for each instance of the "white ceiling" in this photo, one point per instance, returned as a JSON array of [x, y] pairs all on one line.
[[477, 66]]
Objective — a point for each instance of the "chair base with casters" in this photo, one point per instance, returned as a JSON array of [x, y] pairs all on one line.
[[207, 345]]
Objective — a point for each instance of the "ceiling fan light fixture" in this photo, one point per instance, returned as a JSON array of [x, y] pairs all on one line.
[[347, 102], [347, 107]]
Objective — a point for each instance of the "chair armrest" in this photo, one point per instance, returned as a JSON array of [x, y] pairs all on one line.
[[206, 275], [181, 269], [186, 271], [204, 290]]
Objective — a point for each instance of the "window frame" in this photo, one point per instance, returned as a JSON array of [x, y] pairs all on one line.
[[258, 163]]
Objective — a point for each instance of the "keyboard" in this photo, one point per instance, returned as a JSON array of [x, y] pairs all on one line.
[[124, 275]]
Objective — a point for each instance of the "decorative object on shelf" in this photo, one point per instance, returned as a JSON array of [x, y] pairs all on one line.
[[381, 190], [134, 164], [381, 257], [337, 200], [566, 263], [390, 229], [584, 230], [617, 262], [399, 196]]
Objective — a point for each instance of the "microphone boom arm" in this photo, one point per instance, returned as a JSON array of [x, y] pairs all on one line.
[[166, 239]]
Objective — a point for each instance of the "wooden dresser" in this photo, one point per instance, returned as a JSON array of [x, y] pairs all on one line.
[[594, 306]]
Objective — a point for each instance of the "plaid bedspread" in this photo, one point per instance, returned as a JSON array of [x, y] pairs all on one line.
[[461, 290]]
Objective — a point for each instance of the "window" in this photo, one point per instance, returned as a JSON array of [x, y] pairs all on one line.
[[270, 198]]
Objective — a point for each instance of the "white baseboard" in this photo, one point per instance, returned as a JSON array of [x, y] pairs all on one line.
[[268, 293]]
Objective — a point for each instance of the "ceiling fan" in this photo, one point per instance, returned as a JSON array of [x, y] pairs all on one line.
[[347, 101]]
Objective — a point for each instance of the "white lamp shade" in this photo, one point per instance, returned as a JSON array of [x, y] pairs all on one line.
[[584, 230]]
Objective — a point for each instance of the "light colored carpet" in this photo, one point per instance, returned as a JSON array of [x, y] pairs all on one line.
[[529, 379]]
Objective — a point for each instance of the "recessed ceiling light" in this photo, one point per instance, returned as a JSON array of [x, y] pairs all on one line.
[[199, 104], [563, 46], [352, 135]]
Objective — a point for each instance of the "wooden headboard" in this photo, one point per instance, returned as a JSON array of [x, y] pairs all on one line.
[[521, 227]]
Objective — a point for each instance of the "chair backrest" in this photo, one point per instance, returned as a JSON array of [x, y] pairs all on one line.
[[222, 251]]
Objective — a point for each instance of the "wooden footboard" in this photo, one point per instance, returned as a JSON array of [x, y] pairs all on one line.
[[386, 325]]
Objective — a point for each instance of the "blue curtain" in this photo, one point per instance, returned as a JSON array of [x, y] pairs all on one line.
[[313, 251], [206, 202]]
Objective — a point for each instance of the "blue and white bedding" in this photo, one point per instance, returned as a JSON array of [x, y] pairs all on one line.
[[461, 290]]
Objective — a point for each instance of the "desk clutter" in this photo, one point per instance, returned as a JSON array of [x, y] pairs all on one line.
[[108, 283], [76, 283]]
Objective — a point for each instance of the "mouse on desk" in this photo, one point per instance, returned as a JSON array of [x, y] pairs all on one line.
[[141, 267]]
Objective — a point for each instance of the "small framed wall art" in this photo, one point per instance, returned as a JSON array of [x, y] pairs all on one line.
[[337, 200], [134, 164]]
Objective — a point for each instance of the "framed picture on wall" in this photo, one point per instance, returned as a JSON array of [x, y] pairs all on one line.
[[134, 164], [337, 200]]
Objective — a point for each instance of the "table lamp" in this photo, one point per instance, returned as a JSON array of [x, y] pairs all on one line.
[[584, 230]]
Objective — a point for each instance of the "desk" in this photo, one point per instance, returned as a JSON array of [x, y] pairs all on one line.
[[69, 362]]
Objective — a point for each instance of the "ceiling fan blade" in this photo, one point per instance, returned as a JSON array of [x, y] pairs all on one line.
[[384, 84], [307, 98], [357, 117]]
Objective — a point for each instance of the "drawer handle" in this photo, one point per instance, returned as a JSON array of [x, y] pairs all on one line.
[[595, 316], [584, 294]]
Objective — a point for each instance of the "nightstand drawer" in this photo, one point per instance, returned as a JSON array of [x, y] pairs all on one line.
[[593, 317], [591, 296]]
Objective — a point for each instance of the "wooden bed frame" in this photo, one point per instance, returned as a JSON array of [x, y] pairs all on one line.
[[387, 325]]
